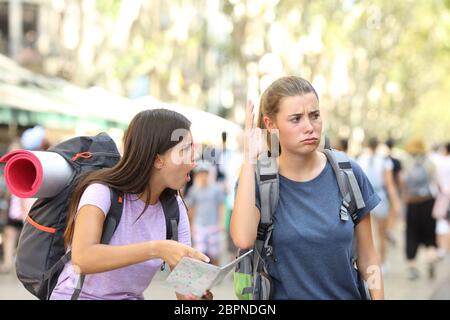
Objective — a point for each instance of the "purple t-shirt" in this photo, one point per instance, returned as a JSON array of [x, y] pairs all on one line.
[[128, 282]]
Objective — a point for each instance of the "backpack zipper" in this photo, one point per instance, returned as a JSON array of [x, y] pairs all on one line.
[[84, 155], [88, 155]]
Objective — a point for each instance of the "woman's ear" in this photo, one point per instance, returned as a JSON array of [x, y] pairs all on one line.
[[159, 163], [268, 123]]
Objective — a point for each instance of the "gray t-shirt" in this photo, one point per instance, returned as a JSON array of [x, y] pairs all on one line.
[[206, 202], [312, 246]]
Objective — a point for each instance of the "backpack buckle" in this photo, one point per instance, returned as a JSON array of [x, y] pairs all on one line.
[[269, 251], [262, 231], [343, 213]]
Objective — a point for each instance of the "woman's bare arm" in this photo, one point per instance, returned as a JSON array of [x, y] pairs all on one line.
[[92, 257], [368, 261]]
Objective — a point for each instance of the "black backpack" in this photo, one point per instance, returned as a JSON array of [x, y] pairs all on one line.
[[41, 255]]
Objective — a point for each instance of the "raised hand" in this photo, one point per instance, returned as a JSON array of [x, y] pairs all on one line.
[[252, 135]]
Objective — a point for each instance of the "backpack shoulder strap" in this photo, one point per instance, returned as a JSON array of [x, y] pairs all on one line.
[[113, 217], [171, 213], [348, 185], [268, 184], [110, 224], [352, 199]]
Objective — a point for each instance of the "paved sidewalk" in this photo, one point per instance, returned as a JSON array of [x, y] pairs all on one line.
[[397, 286], [443, 292]]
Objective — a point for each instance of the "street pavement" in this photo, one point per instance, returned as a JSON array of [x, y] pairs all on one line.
[[397, 286]]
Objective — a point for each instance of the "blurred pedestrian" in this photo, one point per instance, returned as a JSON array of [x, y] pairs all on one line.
[[342, 145], [205, 202], [378, 169], [393, 215], [441, 207], [418, 185]]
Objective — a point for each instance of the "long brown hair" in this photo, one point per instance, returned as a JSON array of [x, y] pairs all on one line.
[[148, 135]]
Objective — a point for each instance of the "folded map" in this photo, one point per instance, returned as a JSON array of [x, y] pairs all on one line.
[[195, 276]]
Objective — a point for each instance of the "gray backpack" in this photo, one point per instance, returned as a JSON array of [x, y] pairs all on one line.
[[251, 277], [418, 180]]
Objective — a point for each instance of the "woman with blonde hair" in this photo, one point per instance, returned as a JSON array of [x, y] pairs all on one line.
[[312, 247]]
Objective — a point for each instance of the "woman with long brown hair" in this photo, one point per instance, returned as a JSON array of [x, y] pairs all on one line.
[[157, 158]]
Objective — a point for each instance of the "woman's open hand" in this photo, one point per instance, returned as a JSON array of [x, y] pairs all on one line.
[[172, 252]]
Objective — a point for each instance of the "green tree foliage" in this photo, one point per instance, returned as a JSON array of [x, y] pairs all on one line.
[[381, 67]]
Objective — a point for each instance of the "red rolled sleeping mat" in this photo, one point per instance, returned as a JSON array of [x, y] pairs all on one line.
[[35, 174]]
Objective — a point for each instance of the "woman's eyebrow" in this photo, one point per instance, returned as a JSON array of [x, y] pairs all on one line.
[[300, 114]]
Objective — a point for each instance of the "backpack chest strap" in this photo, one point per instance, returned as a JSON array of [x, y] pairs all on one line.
[[267, 180]]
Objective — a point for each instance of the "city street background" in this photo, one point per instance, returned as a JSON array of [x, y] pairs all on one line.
[[380, 69]]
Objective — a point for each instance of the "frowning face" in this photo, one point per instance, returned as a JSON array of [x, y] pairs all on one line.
[[299, 123]]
